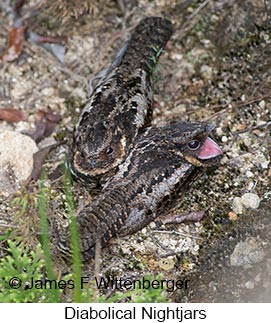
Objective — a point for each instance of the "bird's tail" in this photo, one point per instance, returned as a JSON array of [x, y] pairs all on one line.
[[144, 47]]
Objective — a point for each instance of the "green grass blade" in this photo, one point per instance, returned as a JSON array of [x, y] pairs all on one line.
[[75, 244], [45, 240]]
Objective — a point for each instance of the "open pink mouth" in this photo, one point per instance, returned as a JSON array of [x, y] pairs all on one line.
[[210, 149]]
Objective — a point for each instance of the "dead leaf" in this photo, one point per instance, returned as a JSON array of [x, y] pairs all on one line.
[[55, 45], [57, 50], [18, 6], [39, 158], [45, 125], [15, 44], [48, 115], [11, 115]]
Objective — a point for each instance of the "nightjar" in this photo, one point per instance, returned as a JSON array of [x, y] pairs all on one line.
[[119, 107], [138, 168], [157, 166]]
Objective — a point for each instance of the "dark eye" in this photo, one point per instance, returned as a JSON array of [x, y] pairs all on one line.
[[193, 145], [109, 150]]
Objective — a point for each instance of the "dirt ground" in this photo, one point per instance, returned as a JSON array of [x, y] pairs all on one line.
[[216, 68]]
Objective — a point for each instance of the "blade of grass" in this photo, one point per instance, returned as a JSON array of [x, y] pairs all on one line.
[[75, 244], [43, 202]]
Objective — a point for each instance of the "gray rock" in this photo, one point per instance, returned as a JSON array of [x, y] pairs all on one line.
[[16, 160], [237, 205], [247, 253], [250, 200]]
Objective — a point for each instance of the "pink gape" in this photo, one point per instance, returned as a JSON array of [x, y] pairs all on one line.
[[210, 149]]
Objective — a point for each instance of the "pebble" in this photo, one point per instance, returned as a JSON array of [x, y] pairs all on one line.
[[177, 56], [179, 109], [265, 164], [261, 161], [249, 174], [250, 200], [167, 264], [262, 104], [247, 253], [144, 231], [224, 139], [232, 216], [249, 284], [185, 71], [250, 186], [219, 131], [206, 72], [246, 139], [237, 205], [16, 160], [48, 91]]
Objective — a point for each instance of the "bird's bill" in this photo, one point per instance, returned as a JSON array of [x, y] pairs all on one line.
[[210, 149]]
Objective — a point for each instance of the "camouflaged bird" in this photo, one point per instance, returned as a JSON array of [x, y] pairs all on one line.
[[119, 107], [157, 167]]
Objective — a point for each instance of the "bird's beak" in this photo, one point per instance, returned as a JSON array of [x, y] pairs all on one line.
[[210, 149]]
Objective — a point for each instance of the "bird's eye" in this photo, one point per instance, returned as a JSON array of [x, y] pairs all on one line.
[[109, 151], [193, 145], [92, 163]]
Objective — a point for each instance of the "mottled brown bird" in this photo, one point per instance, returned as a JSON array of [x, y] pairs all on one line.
[[137, 168], [157, 166], [119, 107]]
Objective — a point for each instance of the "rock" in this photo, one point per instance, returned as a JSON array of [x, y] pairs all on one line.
[[237, 205], [249, 284], [48, 91], [247, 253], [250, 200], [246, 139], [261, 161], [232, 216], [224, 139], [219, 131], [185, 71], [167, 264], [262, 104], [206, 72], [16, 160], [243, 98], [249, 174]]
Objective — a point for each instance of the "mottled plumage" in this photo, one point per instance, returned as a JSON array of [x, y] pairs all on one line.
[[138, 169], [157, 166], [119, 106]]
